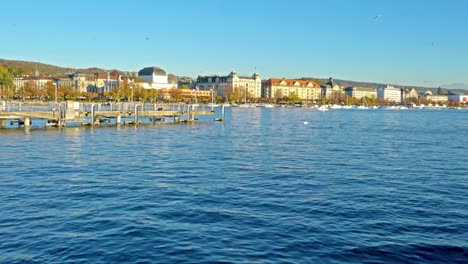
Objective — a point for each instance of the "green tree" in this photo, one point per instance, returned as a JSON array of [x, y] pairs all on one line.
[[439, 91], [153, 95], [294, 97], [6, 79]]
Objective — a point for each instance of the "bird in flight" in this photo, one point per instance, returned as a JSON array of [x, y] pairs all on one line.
[[147, 38], [377, 18]]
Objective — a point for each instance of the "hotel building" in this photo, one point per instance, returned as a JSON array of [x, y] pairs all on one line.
[[361, 92], [252, 84], [278, 88], [390, 93]]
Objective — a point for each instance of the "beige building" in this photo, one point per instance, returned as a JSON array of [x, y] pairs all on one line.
[[304, 89], [330, 87], [251, 84], [437, 98], [361, 92], [38, 82]]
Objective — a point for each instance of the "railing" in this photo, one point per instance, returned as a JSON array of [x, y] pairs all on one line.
[[86, 107]]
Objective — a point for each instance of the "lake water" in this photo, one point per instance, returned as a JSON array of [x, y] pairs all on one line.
[[267, 186]]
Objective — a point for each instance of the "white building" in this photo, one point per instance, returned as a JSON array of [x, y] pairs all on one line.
[[251, 84], [20, 83], [389, 93], [330, 87], [155, 78]]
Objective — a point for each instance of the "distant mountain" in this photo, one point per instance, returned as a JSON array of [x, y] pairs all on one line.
[[456, 87]]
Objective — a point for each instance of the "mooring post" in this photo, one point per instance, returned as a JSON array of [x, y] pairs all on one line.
[[119, 119], [27, 122], [188, 113], [192, 116], [92, 114], [3, 123], [136, 114], [59, 115], [222, 113]]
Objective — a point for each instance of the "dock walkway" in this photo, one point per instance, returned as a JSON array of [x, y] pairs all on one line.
[[61, 114]]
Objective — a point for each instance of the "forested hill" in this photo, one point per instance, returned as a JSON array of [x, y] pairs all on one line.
[[46, 70]]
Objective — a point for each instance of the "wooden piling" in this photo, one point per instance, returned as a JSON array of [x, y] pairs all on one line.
[[92, 115], [136, 115], [27, 122]]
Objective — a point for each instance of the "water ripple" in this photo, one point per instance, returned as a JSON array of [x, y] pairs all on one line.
[[262, 187]]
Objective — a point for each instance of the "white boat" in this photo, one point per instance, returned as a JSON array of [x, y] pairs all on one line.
[[266, 105], [364, 104], [335, 106], [212, 104], [322, 108]]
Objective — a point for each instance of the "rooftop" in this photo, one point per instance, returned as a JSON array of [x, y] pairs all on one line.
[[152, 70]]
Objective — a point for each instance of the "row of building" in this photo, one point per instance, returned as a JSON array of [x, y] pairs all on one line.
[[149, 78], [310, 89], [252, 86]]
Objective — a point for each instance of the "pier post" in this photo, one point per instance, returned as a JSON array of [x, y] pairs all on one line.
[[136, 115], [27, 122], [92, 115], [119, 120], [176, 119], [188, 113], [222, 113], [3, 123]]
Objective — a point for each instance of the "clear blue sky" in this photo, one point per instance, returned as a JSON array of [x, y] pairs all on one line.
[[411, 42]]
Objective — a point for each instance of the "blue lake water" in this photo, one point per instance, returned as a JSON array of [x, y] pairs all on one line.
[[351, 186]]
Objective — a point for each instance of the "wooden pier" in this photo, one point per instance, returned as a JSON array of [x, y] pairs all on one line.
[[74, 113]]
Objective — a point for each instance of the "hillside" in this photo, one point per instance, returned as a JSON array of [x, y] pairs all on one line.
[[348, 83], [46, 70]]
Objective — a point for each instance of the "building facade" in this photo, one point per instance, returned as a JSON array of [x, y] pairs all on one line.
[[155, 78], [20, 83], [436, 98], [361, 92], [278, 88], [223, 84], [390, 93]]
